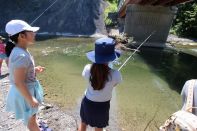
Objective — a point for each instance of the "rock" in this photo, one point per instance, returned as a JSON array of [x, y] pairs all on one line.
[[65, 17], [174, 38]]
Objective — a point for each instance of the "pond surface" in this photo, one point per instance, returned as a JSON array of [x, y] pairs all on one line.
[[149, 93]]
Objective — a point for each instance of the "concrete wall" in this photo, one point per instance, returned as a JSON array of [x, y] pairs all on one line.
[[121, 24], [140, 21]]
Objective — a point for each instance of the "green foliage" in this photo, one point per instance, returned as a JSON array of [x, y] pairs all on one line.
[[186, 21], [112, 8], [113, 1]]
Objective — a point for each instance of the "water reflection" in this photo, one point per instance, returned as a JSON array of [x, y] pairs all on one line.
[[174, 67]]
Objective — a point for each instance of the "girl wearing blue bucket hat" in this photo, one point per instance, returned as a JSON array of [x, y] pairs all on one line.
[[25, 92], [101, 81]]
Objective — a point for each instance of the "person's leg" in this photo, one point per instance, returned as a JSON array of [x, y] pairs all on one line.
[[32, 124], [98, 129], [82, 127], [1, 61]]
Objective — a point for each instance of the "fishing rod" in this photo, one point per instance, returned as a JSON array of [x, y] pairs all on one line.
[[136, 50], [43, 12]]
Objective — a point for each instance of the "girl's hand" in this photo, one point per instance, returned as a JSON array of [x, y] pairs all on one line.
[[34, 103], [39, 69]]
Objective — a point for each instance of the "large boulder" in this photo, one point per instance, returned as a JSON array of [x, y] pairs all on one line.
[[77, 17]]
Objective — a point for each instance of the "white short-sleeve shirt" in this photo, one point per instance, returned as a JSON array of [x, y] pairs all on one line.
[[104, 94]]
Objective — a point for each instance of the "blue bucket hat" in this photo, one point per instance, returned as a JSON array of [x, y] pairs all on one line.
[[104, 51]]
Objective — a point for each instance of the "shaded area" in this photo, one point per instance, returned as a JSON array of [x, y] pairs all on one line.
[[65, 17], [46, 37], [174, 67]]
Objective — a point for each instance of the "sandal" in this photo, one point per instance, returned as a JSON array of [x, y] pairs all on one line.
[[43, 126]]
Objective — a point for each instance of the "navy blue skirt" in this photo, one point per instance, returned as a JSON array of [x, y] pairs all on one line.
[[95, 114]]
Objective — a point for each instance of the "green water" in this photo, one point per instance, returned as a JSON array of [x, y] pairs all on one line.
[[149, 93]]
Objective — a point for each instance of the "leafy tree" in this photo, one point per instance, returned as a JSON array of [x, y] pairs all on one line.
[[113, 1], [112, 8], [186, 21]]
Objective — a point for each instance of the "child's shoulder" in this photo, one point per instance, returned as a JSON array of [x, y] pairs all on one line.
[[86, 71], [17, 52], [189, 82], [87, 67]]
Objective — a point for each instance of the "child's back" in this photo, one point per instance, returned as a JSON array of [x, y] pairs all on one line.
[[104, 94]]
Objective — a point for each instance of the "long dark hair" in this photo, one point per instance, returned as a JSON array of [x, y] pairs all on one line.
[[12, 43], [99, 75]]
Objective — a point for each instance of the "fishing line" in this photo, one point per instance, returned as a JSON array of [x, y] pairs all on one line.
[[170, 96], [43, 12], [135, 51], [33, 23]]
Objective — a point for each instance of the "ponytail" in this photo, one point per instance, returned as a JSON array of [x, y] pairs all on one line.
[[9, 47], [12, 43], [99, 76]]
